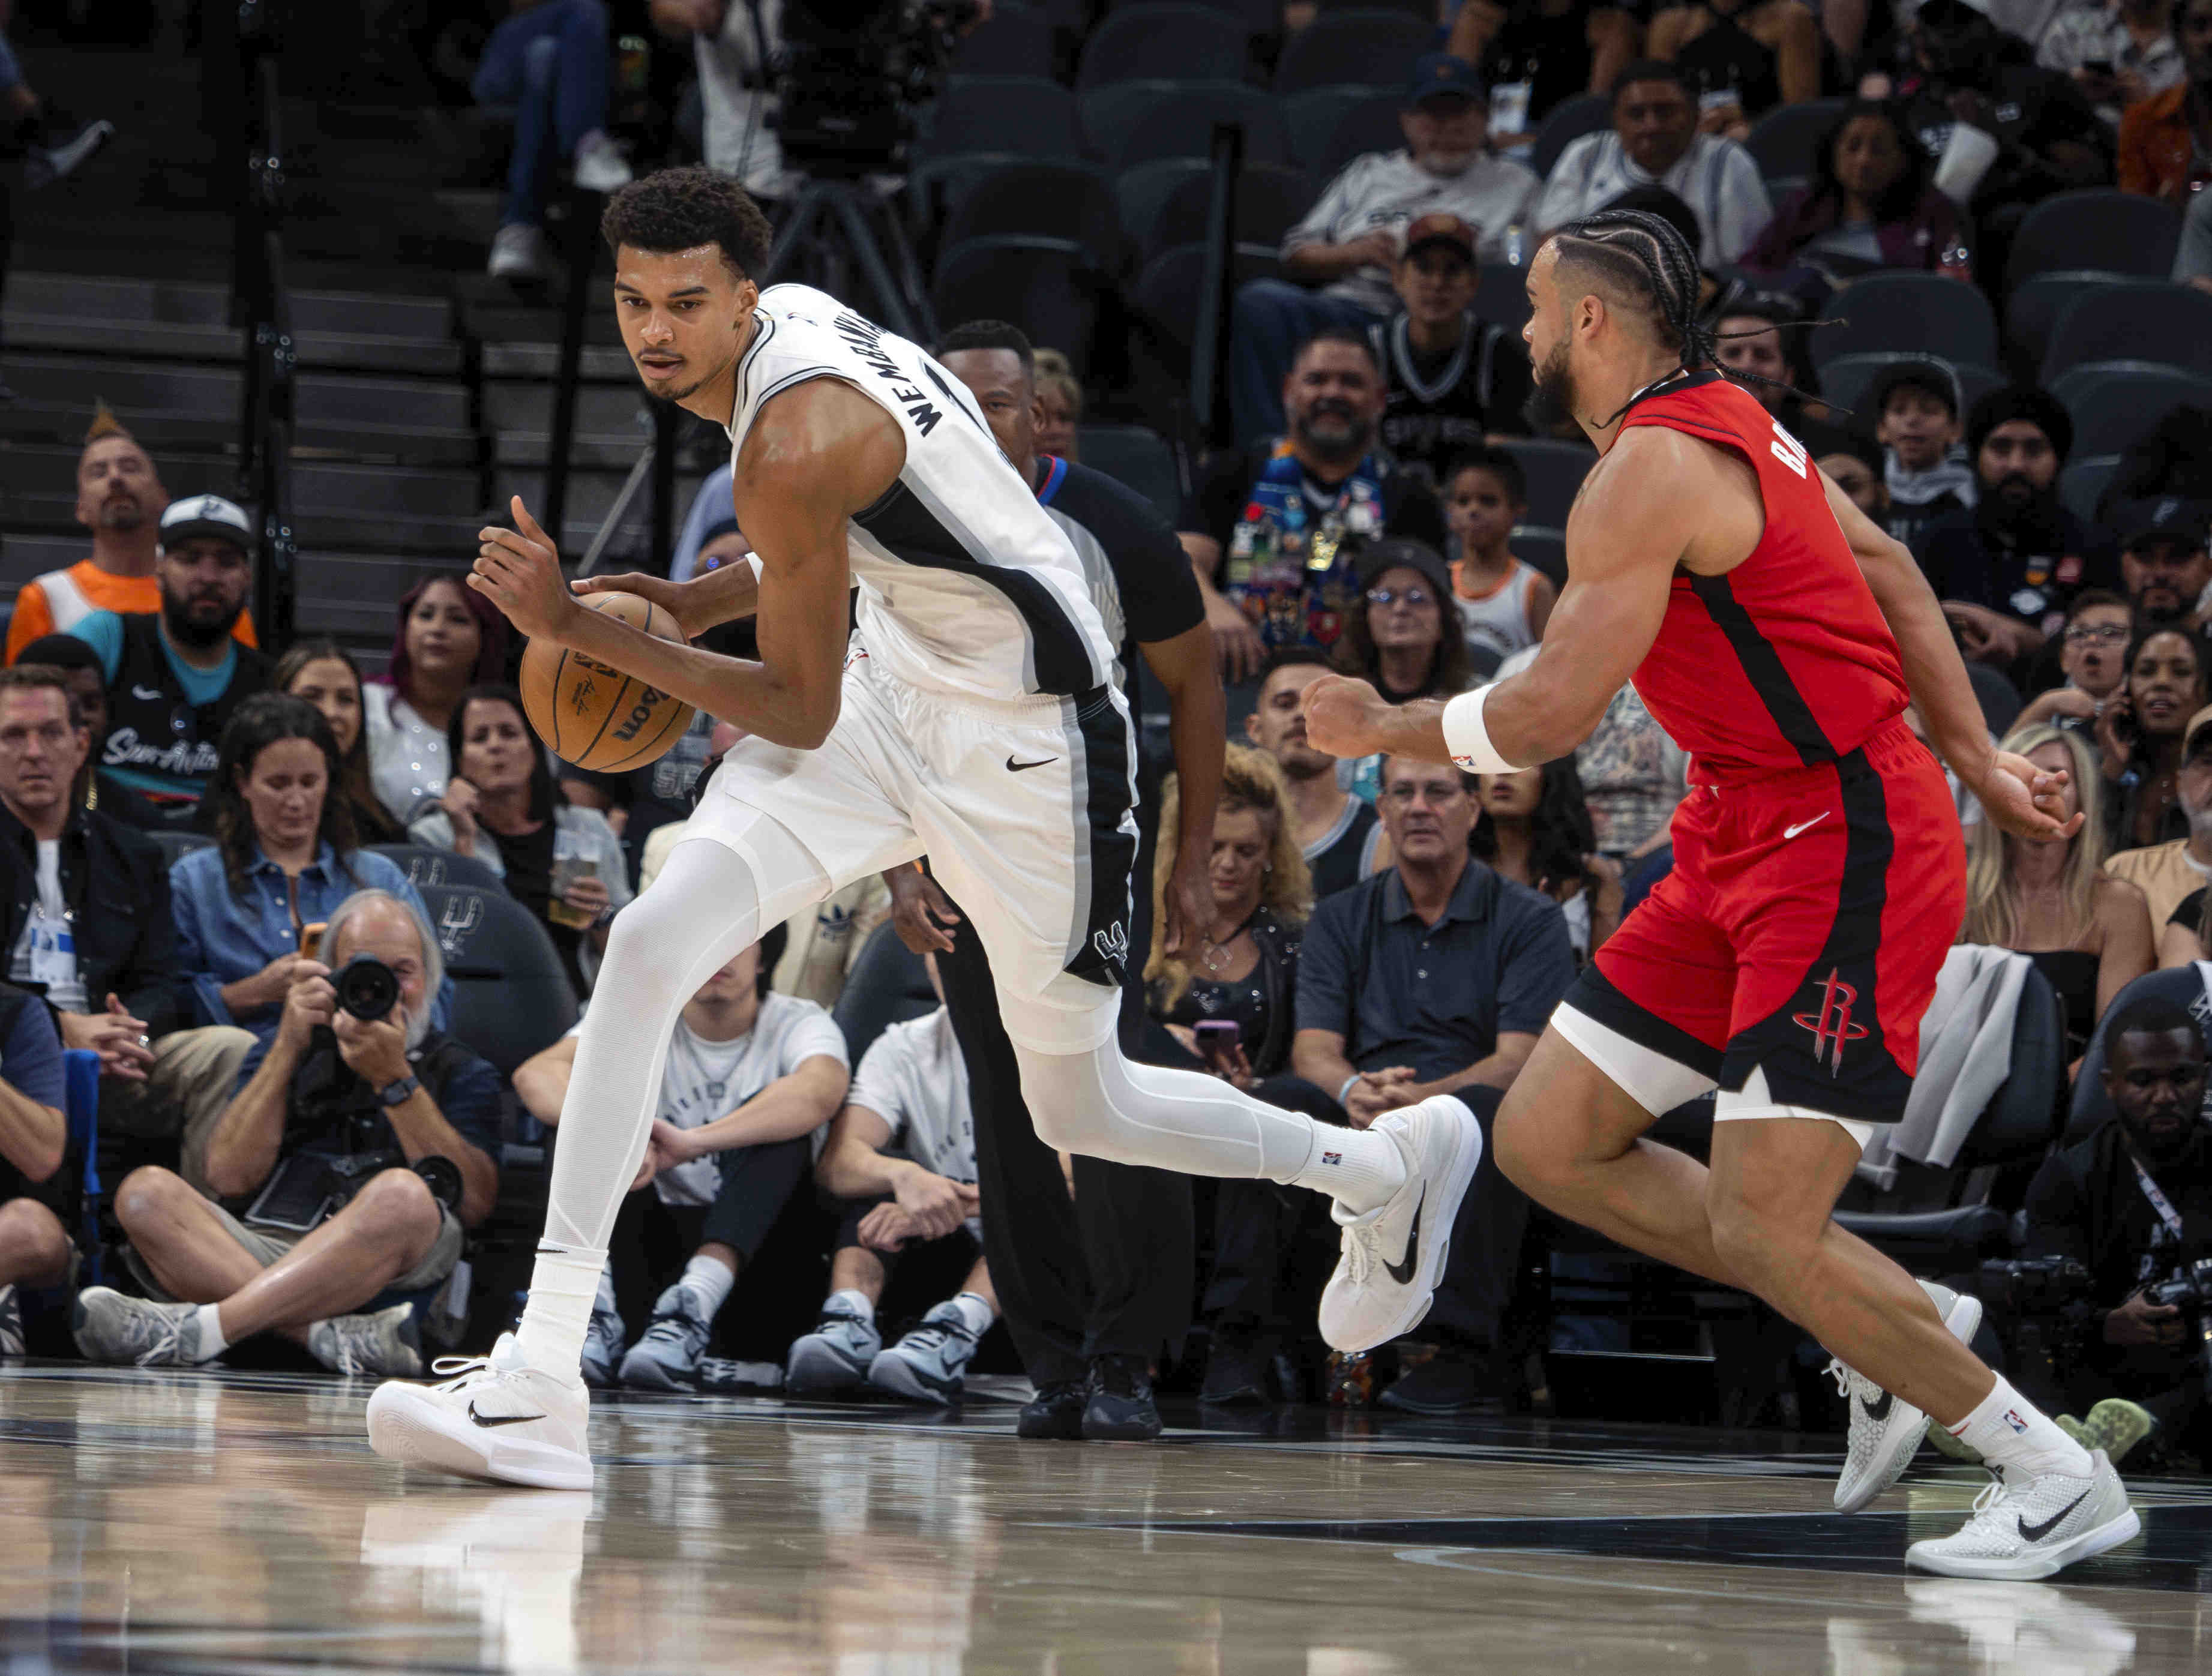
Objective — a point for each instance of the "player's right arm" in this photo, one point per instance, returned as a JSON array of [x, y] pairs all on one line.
[[2021, 797]]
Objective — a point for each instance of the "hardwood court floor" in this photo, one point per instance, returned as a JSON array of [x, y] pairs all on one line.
[[202, 1522]]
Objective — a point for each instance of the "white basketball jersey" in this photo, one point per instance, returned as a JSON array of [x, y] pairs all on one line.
[[966, 585]]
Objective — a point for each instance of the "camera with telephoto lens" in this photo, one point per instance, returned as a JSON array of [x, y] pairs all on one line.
[[2189, 1288], [2050, 1305], [853, 75], [366, 987]]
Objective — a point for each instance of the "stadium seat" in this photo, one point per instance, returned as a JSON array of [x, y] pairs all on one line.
[[2127, 232], [2114, 401], [1050, 285], [1940, 1221], [1261, 18], [1164, 43], [2169, 324], [2083, 483], [1844, 382], [1783, 142], [425, 865], [1546, 549], [511, 994], [176, 845], [1312, 118], [1167, 294], [1137, 456], [1141, 191], [1013, 41], [1129, 123], [1556, 471], [1893, 313], [1567, 122], [1270, 201], [1377, 48], [1029, 117], [1369, 127], [2031, 310], [888, 984], [1054, 200], [2091, 1105]]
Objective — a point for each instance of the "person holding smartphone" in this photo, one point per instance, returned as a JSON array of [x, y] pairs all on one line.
[[2140, 733]]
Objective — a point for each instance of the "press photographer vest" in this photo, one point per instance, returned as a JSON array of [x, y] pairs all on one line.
[[154, 732]]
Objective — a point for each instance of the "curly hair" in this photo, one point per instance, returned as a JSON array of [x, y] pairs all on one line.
[[682, 209], [1250, 781]]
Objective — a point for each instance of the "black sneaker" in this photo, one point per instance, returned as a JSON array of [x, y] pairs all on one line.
[[1120, 1408], [1451, 1381], [1056, 1410], [1235, 1372]]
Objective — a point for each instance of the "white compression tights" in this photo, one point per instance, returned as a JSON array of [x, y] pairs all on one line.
[[706, 906]]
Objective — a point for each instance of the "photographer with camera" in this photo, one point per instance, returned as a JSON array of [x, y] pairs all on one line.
[[2133, 1205], [359, 1147]]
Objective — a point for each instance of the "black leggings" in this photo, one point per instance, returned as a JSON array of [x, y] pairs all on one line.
[[653, 1241]]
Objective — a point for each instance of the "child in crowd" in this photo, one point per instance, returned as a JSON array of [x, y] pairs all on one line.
[[1504, 602], [1924, 466]]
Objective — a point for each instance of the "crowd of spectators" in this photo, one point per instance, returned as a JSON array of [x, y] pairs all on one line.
[[196, 830]]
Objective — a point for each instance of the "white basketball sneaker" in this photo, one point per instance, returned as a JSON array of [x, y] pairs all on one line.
[[1885, 1431], [497, 1418], [2024, 1529], [1393, 1255]]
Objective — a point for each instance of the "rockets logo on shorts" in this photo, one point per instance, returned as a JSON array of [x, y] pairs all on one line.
[[1832, 1026]]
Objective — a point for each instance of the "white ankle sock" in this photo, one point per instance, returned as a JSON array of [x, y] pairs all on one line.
[[2010, 1431], [975, 1311], [563, 1284], [212, 1343], [709, 1280], [855, 1303], [1358, 1167]]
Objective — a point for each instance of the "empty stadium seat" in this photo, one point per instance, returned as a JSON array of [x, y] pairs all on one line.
[[1556, 471], [1567, 122], [2031, 310], [1889, 313], [1053, 200], [1545, 548], [1270, 201], [1050, 285], [1028, 116], [1311, 119], [1783, 142], [2114, 401], [1366, 128], [1365, 45], [2168, 324], [1129, 123], [177, 845], [426, 865], [1141, 191], [1137, 456], [1167, 291], [2124, 231], [1844, 382], [1013, 41], [2083, 483], [511, 994], [1164, 43]]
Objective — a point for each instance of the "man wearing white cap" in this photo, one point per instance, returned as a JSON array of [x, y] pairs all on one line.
[[175, 674]]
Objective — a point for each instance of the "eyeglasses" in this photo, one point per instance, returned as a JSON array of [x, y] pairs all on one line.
[[1400, 596], [2084, 634]]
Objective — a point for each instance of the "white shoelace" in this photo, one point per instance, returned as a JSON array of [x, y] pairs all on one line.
[[167, 1343], [457, 1371], [1988, 1508], [1842, 1375]]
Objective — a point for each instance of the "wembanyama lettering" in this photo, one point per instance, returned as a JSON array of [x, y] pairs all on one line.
[[862, 336]]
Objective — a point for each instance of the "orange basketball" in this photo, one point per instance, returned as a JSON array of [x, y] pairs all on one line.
[[595, 716]]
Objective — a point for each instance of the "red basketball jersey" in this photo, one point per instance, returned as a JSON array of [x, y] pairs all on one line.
[[1785, 661]]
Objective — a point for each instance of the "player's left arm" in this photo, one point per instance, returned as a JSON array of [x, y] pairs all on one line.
[[1637, 513], [2021, 797]]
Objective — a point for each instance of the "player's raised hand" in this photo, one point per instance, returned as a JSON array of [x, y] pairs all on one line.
[[1344, 716], [2028, 801], [518, 571]]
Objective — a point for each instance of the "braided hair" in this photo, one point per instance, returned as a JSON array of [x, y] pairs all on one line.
[[1646, 258]]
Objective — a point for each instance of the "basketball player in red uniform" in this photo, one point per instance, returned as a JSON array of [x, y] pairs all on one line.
[[1819, 875]]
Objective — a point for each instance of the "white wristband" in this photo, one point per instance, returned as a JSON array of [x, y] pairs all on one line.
[[1469, 739]]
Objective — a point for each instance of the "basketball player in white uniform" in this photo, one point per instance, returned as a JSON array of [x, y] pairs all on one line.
[[973, 719]]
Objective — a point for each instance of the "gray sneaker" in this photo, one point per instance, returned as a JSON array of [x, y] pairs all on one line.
[[930, 1365], [835, 1357], [388, 1344], [111, 1327], [603, 1349], [668, 1357]]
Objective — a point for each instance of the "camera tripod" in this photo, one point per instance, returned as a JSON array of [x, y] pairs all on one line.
[[833, 223]]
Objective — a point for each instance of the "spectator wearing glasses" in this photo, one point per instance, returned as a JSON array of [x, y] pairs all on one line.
[[2087, 930], [2091, 648], [2005, 568], [1404, 634], [1339, 835], [2142, 738]]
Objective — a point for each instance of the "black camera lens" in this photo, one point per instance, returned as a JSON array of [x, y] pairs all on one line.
[[366, 987], [443, 1177]]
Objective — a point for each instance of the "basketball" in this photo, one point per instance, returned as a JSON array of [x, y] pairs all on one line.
[[596, 716]]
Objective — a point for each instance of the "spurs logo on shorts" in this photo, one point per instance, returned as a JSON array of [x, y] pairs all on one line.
[[1832, 1026], [1112, 943]]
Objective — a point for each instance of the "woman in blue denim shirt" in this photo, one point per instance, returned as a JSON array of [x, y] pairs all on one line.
[[284, 858]]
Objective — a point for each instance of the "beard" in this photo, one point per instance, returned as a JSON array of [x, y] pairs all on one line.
[[198, 622], [1332, 430], [1551, 396]]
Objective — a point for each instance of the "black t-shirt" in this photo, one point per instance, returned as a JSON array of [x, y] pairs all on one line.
[[1336, 866], [529, 864], [1128, 550], [1550, 51], [2033, 109], [2028, 568], [1438, 407]]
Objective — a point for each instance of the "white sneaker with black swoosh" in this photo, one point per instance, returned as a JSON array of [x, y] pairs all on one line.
[[1393, 1255], [1885, 1430], [495, 1417], [2024, 1529]]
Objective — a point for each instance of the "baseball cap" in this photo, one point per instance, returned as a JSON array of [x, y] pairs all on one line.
[[1440, 229], [207, 515], [2197, 723], [2167, 515], [1922, 372], [1438, 73], [1395, 551]]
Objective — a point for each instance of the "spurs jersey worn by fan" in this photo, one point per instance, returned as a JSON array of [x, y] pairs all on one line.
[[1819, 874], [979, 723]]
